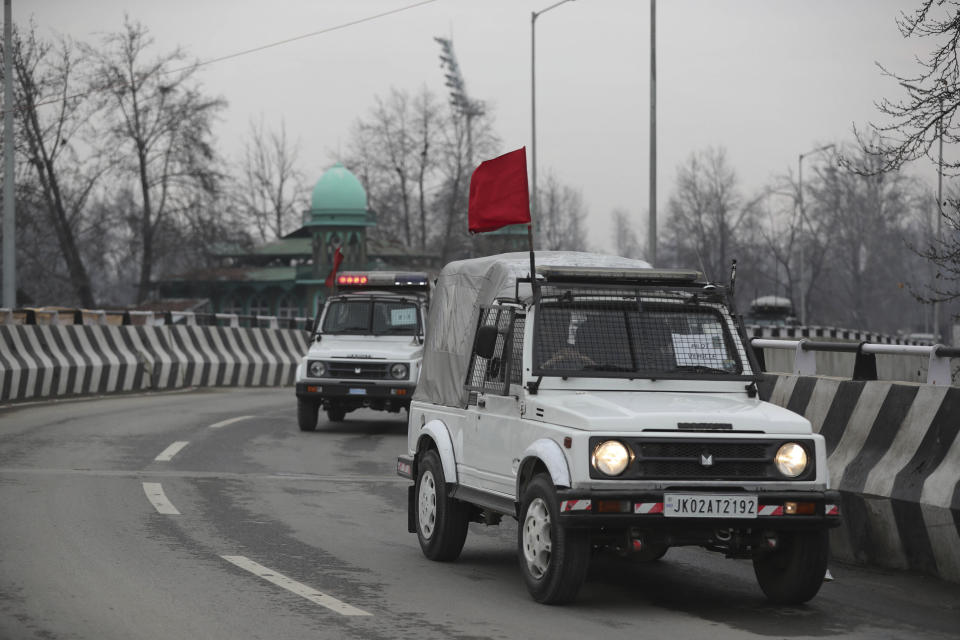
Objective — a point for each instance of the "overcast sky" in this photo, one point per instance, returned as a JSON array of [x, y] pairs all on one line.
[[764, 79]]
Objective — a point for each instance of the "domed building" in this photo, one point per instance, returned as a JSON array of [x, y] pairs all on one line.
[[286, 277]]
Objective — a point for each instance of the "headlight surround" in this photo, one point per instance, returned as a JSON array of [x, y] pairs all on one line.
[[398, 371], [611, 457], [791, 459], [316, 369]]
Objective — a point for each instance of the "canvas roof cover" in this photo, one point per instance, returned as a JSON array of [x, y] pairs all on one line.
[[465, 286]]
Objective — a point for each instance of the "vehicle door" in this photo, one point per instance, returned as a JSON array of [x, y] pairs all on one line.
[[493, 410]]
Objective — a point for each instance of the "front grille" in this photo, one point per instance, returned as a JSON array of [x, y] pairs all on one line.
[[358, 370], [696, 459]]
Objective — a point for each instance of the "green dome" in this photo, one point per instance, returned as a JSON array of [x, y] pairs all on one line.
[[338, 190]]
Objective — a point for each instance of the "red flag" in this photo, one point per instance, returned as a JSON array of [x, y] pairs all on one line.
[[337, 259], [499, 194]]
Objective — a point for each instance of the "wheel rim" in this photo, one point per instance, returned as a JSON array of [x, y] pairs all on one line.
[[427, 504], [537, 543]]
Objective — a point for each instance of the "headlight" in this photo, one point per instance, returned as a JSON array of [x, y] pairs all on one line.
[[399, 371], [610, 458], [317, 369], [791, 459]]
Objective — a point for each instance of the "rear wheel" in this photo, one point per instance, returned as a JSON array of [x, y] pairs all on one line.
[[553, 560], [793, 573], [441, 521], [336, 414], [307, 414]]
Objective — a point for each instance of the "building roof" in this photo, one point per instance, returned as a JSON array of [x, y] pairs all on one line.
[[338, 190], [242, 274]]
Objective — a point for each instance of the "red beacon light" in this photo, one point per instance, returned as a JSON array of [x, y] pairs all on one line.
[[352, 279]]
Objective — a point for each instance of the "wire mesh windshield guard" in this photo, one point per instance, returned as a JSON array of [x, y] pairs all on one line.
[[503, 368], [633, 332]]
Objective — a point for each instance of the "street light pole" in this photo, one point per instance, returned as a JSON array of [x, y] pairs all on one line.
[[652, 228], [803, 294], [9, 204], [534, 204], [936, 304]]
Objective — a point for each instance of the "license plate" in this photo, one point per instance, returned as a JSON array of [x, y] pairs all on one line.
[[693, 505], [358, 392]]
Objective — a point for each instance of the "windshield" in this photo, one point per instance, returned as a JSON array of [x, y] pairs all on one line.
[[627, 338], [377, 317]]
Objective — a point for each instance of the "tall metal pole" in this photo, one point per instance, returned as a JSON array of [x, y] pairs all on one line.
[[803, 217], [936, 305], [534, 203], [652, 240], [9, 220], [803, 294]]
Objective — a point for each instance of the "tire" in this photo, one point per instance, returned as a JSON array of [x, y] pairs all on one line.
[[441, 522], [336, 414], [793, 573], [553, 560], [307, 414]]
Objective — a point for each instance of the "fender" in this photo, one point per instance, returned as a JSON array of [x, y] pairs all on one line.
[[550, 453], [437, 431]]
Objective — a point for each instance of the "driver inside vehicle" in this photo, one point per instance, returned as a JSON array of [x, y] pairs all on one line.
[[568, 357], [572, 354]]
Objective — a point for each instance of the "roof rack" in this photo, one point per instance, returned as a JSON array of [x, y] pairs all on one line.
[[627, 275]]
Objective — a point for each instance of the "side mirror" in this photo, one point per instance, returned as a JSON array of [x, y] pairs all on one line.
[[486, 342]]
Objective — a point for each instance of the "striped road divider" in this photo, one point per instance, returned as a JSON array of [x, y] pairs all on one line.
[[894, 453], [49, 361]]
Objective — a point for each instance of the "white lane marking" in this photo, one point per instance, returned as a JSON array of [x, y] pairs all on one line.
[[295, 587], [158, 499], [229, 421], [171, 451]]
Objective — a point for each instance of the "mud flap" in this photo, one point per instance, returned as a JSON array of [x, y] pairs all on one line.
[[411, 520]]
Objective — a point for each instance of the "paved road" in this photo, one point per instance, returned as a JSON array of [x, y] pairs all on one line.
[[207, 514]]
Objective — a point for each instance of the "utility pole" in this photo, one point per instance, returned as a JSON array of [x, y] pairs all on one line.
[[9, 213], [535, 200], [936, 304], [803, 217], [652, 240]]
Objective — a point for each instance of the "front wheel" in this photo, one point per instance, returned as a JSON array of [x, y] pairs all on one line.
[[793, 573], [441, 521], [553, 560], [307, 414]]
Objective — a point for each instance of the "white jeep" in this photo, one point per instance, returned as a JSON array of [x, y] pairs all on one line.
[[366, 347], [608, 407]]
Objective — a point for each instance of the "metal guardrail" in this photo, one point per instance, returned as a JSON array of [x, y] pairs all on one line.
[[63, 316], [865, 365]]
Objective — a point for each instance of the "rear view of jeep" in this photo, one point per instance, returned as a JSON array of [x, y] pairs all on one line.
[[609, 408], [366, 347]]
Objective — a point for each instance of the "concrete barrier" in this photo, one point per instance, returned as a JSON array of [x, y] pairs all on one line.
[[48, 361], [894, 453]]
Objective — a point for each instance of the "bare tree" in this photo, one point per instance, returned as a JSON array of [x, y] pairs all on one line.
[[920, 120], [561, 216], [707, 214], [412, 158], [271, 182], [387, 139], [52, 137], [867, 217], [625, 240], [161, 121]]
